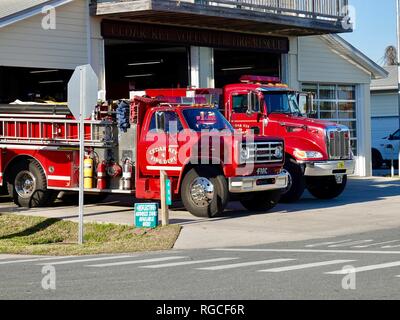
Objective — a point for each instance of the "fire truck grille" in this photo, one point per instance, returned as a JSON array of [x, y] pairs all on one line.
[[265, 152], [339, 144]]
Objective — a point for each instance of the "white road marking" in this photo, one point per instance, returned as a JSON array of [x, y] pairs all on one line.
[[177, 264], [32, 260], [327, 243], [307, 266], [350, 243], [244, 264], [389, 247], [305, 251], [368, 268], [124, 263], [86, 260], [376, 244]]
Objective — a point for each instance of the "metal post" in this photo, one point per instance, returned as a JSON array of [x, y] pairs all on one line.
[[398, 64], [164, 206], [392, 163], [81, 157]]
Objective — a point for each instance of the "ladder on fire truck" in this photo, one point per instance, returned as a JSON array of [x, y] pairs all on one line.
[[53, 129]]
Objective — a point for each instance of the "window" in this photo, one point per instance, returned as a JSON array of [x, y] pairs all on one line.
[[168, 122], [396, 135], [240, 103], [206, 119], [336, 103]]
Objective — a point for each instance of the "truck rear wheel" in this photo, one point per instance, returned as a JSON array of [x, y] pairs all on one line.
[[325, 187], [296, 183], [27, 185], [204, 192], [261, 201]]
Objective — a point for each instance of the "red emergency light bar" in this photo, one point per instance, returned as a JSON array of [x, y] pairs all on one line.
[[259, 79]]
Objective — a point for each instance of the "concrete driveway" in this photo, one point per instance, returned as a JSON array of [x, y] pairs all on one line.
[[367, 204]]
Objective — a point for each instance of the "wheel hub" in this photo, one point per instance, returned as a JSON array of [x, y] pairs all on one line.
[[290, 181], [202, 191], [25, 184]]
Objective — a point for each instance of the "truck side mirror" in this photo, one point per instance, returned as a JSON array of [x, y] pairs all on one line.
[[160, 121], [311, 109], [253, 103], [249, 104]]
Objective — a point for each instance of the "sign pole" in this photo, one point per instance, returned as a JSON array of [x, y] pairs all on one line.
[[164, 205], [81, 155], [398, 64], [82, 98]]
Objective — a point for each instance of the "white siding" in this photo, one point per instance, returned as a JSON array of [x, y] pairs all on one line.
[[319, 63], [27, 44], [384, 104]]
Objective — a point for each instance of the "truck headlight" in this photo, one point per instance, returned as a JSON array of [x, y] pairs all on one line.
[[244, 154], [278, 152], [300, 154]]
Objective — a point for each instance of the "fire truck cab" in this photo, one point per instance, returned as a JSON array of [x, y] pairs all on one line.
[[128, 144]]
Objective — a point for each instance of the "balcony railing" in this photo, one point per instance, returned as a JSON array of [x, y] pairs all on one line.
[[328, 10]]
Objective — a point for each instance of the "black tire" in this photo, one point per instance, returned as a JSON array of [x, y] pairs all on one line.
[[296, 184], [325, 188], [377, 160], [205, 208], [261, 201], [36, 193]]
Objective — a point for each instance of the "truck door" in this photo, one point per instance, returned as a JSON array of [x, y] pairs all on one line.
[[159, 145], [246, 113]]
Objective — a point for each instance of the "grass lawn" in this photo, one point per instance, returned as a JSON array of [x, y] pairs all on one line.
[[43, 236]]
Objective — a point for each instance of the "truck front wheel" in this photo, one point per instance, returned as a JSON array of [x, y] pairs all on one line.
[[326, 187], [27, 185], [296, 184], [204, 192], [261, 201]]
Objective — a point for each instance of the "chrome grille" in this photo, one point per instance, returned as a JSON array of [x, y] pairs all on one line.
[[338, 144], [264, 152]]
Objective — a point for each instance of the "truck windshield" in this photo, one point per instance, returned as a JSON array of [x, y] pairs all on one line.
[[206, 119], [282, 102]]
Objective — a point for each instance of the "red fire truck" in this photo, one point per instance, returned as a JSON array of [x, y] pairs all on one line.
[[318, 153], [128, 145]]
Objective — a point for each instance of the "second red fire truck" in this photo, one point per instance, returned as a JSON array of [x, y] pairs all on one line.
[[318, 153]]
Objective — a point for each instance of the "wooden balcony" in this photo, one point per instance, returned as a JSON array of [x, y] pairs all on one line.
[[273, 17]]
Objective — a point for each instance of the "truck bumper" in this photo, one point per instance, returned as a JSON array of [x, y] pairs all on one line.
[[329, 168], [258, 183]]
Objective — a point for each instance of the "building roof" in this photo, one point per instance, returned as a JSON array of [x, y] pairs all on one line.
[[15, 10], [390, 83], [354, 55]]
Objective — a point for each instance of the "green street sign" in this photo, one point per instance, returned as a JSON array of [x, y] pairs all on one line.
[[146, 215], [168, 192]]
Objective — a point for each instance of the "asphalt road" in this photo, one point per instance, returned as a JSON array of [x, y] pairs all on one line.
[[294, 270]]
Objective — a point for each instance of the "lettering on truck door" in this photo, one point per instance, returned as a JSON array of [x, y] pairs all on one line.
[[244, 118], [161, 145]]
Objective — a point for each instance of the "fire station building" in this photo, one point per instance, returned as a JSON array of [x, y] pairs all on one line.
[[137, 44]]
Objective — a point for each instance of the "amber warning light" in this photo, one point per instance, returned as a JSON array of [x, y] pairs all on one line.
[[259, 79]]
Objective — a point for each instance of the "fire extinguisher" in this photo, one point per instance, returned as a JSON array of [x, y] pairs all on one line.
[[127, 175], [88, 172], [101, 176]]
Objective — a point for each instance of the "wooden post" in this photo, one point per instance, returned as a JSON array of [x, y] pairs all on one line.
[[164, 206]]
